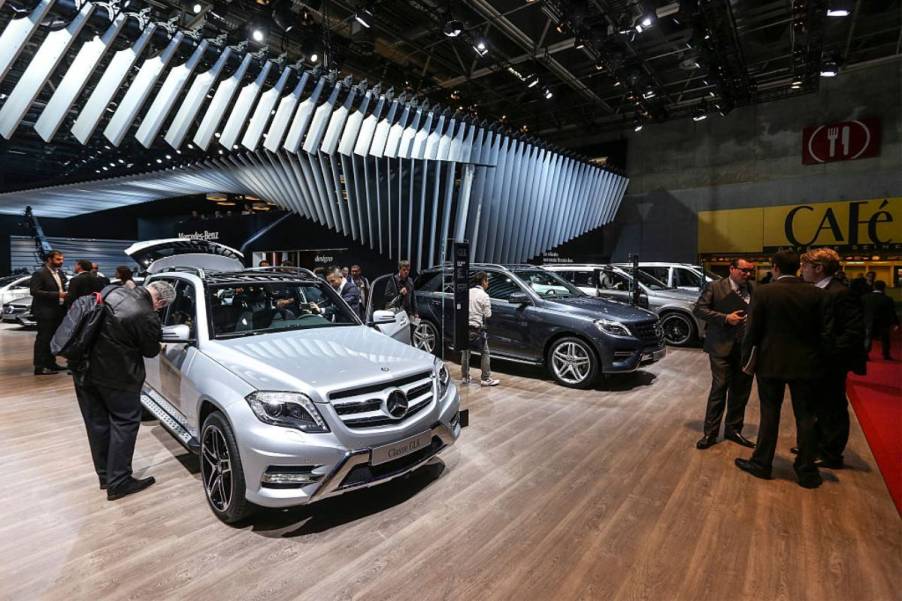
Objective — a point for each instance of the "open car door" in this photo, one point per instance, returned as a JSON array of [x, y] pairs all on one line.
[[383, 309], [156, 255]]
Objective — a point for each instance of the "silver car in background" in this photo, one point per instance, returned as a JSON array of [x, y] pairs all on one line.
[[673, 305], [286, 395], [684, 276]]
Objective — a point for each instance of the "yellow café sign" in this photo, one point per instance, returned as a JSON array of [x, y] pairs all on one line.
[[862, 225]]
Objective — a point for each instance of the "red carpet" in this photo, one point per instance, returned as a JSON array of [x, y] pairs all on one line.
[[877, 401]]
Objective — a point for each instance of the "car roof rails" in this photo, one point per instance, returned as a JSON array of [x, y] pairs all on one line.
[[280, 269]]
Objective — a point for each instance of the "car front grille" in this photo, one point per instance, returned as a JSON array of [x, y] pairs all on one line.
[[649, 332], [366, 473], [365, 407]]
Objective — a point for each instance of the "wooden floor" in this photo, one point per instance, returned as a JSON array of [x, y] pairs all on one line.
[[549, 494]]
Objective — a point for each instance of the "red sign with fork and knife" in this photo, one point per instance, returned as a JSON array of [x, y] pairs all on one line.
[[845, 141]]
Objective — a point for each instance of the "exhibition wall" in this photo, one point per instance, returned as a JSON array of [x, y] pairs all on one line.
[[750, 158]]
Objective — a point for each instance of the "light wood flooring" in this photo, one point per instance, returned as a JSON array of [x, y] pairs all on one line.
[[549, 494]]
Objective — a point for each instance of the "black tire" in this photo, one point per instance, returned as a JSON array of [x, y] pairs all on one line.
[[679, 328], [580, 371], [226, 496], [427, 331]]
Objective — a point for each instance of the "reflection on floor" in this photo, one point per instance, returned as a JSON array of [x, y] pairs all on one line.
[[550, 494]]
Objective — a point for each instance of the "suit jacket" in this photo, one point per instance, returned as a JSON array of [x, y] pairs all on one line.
[[790, 324], [83, 284], [45, 303], [846, 351], [879, 311], [717, 301], [351, 295]]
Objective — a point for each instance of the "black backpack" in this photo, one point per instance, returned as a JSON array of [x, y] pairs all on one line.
[[75, 336]]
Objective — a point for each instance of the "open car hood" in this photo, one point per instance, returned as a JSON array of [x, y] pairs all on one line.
[[156, 255]]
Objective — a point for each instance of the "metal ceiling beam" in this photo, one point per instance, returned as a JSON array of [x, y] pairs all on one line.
[[515, 34], [485, 71]]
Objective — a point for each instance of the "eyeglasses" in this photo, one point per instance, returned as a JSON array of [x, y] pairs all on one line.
[[745, 270]]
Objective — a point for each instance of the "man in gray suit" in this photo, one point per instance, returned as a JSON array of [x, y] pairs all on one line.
[[723, 305]]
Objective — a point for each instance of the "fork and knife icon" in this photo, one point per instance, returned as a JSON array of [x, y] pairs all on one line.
[[832, 134]]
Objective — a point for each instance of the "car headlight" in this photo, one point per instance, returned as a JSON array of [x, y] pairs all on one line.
[[614, 328], [287, 409], [444, 379]]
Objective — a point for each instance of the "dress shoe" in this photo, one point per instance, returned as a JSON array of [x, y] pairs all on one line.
[[58, 367], [43, 371], [752, 468], [794, 450], [833, 464], [739, 439], [130, 486], [705, 442], [810, 480]]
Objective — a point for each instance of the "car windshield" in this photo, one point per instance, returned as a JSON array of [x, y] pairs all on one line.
[[710, 274], [547, 284], [247, 309]]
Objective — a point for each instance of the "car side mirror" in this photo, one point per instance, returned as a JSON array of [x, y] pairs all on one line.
[[177, 333], [383, 317], [518, 298]]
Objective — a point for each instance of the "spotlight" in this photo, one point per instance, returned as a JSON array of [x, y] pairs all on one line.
[[839, 8], [314, 57], [159, 161], [829, 69], [699, 114], [453, 28], [197, 8], [637, 124], [364, 17], [168, 157], [532, 81], [257, 35], [648, 93], [480, 48], [647, 21], [796, 83], [548, 94], [282, 16]]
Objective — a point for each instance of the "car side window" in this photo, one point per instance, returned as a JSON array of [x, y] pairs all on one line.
[[685, 277], [428, 282], [501, 286], [182, 309], [611, 280], [583, 279]]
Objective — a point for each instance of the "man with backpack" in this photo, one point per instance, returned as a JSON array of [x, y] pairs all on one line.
[[109, 376]]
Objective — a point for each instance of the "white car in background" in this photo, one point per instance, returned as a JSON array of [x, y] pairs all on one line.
[[676, 275], [13, 287]]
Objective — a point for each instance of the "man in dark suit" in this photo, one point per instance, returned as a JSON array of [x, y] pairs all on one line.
[[104, 281], [48, 291], [784, 342], [723, 305], [846, 353], [879, 317], [345, 288], [84, 283]]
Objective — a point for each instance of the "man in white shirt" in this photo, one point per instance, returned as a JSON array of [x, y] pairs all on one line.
[[480, 310]]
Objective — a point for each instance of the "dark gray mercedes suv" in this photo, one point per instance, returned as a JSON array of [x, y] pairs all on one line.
[[540, 318]]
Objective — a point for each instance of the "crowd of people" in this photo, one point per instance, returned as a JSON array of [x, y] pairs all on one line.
[[803, 333]]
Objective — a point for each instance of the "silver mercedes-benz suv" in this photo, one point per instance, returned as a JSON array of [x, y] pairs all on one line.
[[286, 395]]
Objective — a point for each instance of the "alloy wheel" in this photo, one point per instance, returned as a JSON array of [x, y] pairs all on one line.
[[677, 329], [425, 337], [216, 468], [571, 362]]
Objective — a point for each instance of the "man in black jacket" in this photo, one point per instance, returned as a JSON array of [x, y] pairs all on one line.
[[84, 283], [48, 291], [880, 317], [784, 342], [723, 305], [109, 393], [846, 353], [404, 286]]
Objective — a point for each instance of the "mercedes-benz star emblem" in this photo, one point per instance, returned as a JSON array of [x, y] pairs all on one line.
[[396, 404]]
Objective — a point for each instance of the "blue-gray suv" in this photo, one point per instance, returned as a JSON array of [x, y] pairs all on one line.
[[541, 319]]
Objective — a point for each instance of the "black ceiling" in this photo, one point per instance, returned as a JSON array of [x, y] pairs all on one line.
[[595, 71]]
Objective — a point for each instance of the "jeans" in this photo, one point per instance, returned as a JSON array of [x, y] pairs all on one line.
[[485, 363]]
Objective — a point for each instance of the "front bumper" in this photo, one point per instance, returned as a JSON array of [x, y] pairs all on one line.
[[334, 468]]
